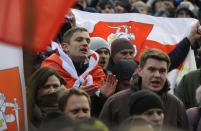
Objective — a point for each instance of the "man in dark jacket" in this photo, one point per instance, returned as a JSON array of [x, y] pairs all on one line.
[[151, 74]]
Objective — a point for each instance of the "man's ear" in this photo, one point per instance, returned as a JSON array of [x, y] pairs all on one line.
[[139, 70], [65, 47]]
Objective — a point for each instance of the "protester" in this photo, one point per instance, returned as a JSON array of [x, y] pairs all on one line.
[[186, 88], [185, 10], [121, 48], [136, 123], [102, 47], [141, 7], [154, 6], [167, 9], [150, 105], [79, 65], [68, 23], [106, 6], [76, 104], [57, 121], [122, 6], [43, 91], [123, 71], [194, 113], [151, 74], [90, 124]]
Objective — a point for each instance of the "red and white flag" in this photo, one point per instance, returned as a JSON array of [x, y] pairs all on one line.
[[32, 23], [23, 23], [142, 30]]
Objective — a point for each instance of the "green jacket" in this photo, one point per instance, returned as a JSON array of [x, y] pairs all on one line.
[[186, 89]]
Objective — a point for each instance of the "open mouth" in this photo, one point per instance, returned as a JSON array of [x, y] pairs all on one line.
[[83, 50], [155, 83], [102, 62]]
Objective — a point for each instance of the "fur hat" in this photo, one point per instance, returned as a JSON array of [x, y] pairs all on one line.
[[144, 100], [98, 43]]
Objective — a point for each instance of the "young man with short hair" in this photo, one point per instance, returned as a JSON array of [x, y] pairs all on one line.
[[151, 75], [79, 65]]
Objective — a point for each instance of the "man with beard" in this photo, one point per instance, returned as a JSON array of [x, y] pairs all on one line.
[[151, 75]]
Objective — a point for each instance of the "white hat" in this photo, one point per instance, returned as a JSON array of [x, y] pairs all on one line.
[[98, 43]]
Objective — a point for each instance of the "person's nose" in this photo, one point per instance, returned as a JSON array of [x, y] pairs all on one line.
[[157, 73], [102, 55], [156, 118], [85, 43], [82, 115], [129, 57], [51, 90]]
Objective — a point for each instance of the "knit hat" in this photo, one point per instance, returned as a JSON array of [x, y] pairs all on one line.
[[144, 100], [120, 44], [124, 69], [186, 6], [98, 43], [124, 3], [102, 3], [55, 121], [90, 124]]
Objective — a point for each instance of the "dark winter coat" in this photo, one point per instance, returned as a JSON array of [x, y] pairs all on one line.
[[116, 108]]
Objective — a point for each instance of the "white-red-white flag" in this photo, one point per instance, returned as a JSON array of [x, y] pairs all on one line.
[[142, 30]]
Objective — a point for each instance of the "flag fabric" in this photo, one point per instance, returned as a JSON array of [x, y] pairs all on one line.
[[31, 23], [13, 113], [144, 31]]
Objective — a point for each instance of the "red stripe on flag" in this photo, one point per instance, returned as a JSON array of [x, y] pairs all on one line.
[[31, 23]]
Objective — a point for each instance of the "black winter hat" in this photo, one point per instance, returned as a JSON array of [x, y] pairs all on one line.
[[120, 44], [124, 69], [144, 100]]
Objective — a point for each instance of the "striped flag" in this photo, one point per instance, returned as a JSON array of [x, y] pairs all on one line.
[[144, 31], [31, 23]]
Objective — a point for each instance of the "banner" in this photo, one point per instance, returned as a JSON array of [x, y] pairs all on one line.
[[12, 90], [31, 23], [144, 31]]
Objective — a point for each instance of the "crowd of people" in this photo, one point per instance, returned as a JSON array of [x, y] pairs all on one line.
[[84, 84]]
